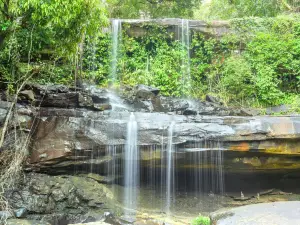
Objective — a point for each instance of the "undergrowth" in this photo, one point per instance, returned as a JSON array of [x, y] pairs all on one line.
[[201, 220], [11, 162]]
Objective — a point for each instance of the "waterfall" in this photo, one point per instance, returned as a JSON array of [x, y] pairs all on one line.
[[116, 36], [170, 169], [220, 173], [207, 173], [111, 154], [162, 171], [185, 61], [131, 167]]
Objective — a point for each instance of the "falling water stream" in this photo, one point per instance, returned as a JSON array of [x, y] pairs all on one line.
[[170, 169], [185, 60], [116, 37], [131, 175]]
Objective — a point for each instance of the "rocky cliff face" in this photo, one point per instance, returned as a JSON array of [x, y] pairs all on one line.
[[61, 199], [73, 130], [65, 124], [215, 28]]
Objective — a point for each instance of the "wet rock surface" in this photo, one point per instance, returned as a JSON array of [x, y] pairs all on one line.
[[283, 213], [57, 137], [55, 199], [139, 98], [214, 28], [71, 121], [72, 130], [81, 123], [25, 222]]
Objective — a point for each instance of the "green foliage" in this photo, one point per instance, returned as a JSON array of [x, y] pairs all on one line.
[[153, 8], [255, 68], [274, 57], [97, 58], [51, 73], [226, 9], [46, 34], [66, 25], [201, 220], [153, 60], [237, 80], [261, 62], [258, 64]]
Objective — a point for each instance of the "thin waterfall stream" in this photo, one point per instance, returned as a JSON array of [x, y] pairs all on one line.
[[131, 175], [185, 60], [170, 169], [116, 37]]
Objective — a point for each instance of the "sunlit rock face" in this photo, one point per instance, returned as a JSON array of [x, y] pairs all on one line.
[[82, 133], [76, 128], [215, 28], [58, 139], [72, 130]]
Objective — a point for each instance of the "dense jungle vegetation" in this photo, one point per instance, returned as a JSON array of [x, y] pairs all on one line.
[[63, 41]]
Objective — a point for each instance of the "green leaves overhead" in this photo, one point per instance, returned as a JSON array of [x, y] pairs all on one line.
[[228, 9], [67, 20], [60, 23], [42, 32], [153, 8]]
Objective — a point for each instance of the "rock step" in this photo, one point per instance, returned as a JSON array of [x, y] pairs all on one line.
[[283, 213]]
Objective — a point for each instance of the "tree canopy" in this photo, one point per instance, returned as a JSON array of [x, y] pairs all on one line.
[[227, 9], [57, 24], [153, 8]]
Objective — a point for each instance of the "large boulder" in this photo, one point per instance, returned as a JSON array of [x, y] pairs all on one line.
[[60, 96], [46, 89], [174, 104], [144, 92], [60, 100], [54, 198], [27, 94], [213, 99]]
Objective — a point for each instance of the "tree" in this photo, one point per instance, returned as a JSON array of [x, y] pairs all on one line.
[[32, 29], [60, 23], [227, 9], [153, 8]]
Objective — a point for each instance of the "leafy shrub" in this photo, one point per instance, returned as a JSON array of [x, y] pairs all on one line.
[[201, 220], [96, 59], [237, 80], [275, 61]]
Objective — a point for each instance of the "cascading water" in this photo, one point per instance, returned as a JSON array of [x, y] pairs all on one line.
[[206, 174], [112, 165], [131, 167], [116, 37], [192, 173], [185, 60], [170, 169], [162, 171]]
